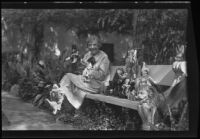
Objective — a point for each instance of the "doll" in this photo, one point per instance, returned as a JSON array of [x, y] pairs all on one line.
[[126, 87], [56, 99], [88, 70]]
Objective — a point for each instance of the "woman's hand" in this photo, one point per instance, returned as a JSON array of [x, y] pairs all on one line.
[[85, 63]]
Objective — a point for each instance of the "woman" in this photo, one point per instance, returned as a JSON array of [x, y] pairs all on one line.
[[75, 87]]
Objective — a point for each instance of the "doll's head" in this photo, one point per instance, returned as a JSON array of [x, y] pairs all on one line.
[[120, 71]]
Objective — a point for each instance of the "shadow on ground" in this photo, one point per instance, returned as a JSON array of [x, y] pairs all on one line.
[[24, 116]]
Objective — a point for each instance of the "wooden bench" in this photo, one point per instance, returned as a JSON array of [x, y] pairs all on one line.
[[162, 74]]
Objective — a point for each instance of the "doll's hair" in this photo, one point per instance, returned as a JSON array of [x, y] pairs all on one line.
[[92, 60]]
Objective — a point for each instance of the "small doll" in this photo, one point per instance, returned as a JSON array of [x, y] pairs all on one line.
[[131, 63], [88, 70], [74, 57], [118, 80], [119, 76], [126, 86], [56, 99], [131, 95], [145, 81]]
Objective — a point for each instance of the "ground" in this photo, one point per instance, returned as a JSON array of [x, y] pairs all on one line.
[[24, 116]]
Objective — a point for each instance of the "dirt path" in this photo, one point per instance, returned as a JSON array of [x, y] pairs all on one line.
[[24, 116]]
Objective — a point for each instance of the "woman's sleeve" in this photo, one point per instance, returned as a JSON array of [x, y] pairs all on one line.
[[86, 57], [102, 71]]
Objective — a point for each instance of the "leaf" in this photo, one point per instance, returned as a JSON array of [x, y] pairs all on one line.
[[41, 101], [37, 98]]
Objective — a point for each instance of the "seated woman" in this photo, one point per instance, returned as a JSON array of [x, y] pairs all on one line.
[[75, 87]]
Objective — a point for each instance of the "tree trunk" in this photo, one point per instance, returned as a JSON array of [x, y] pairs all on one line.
[[38, 32], [135, 43], [134, 24]]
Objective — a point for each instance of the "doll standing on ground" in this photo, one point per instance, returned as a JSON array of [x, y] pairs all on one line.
[[56, 99]]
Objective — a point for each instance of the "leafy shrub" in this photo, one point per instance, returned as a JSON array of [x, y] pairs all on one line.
[[28, 89], [96, 115]]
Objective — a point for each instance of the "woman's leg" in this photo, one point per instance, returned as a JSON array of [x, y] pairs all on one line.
[[65, 81], [73, 94]]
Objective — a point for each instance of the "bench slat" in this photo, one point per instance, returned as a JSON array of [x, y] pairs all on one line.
[[114, 100]]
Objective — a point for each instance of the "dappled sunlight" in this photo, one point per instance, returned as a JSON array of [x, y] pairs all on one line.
[[25, 51], [54, 31], [56, 49], [4, 23], [73, 33]]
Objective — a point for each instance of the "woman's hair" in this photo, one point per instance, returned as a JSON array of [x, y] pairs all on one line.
[[92, 38]]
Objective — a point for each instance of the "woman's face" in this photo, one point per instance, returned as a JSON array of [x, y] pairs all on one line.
[[93, 47]]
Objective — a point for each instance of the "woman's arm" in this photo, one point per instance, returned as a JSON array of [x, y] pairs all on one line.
[[85, 58]]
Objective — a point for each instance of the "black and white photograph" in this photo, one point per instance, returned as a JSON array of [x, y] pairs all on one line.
[[95, 69]]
